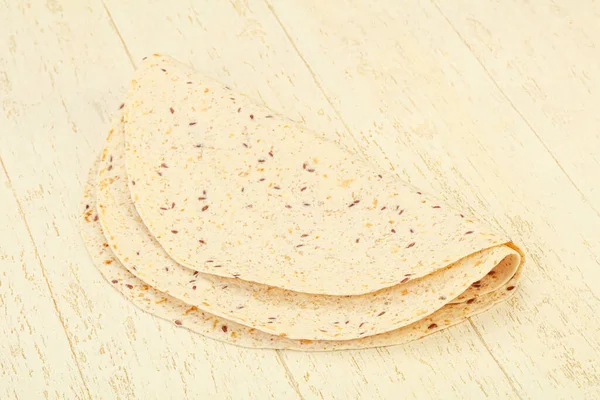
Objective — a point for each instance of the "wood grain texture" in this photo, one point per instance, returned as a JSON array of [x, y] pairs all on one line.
[[492, 110], [544, 59], [35, 355]]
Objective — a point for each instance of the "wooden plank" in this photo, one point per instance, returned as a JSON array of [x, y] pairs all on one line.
[[544, 58], [398, 74], [248, 49], [65, 73], [35, 355], [412, 371]]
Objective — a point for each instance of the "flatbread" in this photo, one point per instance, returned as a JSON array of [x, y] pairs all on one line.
[[274, 310], [227, 188], [183, 315]]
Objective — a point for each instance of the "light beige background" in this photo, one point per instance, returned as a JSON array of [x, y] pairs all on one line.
[[495, 105]]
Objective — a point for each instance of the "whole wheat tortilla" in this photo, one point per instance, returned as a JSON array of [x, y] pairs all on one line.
[[181, 314], [220, 181], [274, 310]]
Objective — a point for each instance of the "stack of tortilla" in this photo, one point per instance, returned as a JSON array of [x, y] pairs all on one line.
[[216, 214]]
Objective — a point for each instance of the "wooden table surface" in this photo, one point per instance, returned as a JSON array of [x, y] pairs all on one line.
[[494, 105]]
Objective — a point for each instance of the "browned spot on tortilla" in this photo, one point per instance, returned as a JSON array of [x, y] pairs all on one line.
[[191, 309], [346, 182]]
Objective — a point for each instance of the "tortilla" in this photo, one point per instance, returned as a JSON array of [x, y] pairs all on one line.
[[227, 188], [275, 310], [183, 315]]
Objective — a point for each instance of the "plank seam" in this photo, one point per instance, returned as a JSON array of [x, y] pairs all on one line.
[[322, 90], [535, 133], [45, 276], [112, 23], [487, 348], [289, 374]]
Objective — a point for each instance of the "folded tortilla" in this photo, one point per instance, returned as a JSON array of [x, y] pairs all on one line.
[[275, 310], [213, 212], [183, 315]]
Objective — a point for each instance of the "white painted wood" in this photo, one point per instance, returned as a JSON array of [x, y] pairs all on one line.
[[543, 56], [36, 360], [413, 87]]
